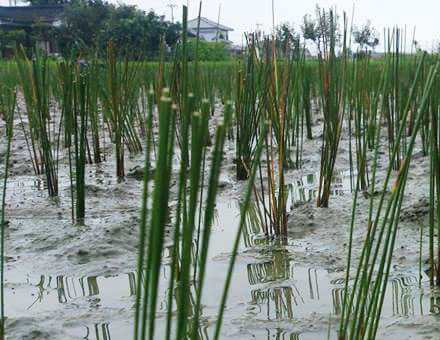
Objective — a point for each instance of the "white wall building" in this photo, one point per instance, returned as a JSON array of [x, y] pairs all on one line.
[[209, 30]]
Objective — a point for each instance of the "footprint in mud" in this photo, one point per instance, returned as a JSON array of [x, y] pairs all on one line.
[[138, 173], [26, 329], [84, 256], [36, 335], [416, 211]]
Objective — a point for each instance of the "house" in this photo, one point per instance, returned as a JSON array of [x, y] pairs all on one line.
[[308, 54], [209, 30], [377, 55], [27, 18]]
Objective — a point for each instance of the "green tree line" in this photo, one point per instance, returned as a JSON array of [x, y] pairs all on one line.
[[89, 25]]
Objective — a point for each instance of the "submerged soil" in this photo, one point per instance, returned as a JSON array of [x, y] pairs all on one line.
[[65, 281]]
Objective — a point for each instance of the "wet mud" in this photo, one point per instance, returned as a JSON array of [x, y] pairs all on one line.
[[65, 281]]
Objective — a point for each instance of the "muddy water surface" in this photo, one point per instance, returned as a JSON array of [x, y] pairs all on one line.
[[274, 294], [78, 282]]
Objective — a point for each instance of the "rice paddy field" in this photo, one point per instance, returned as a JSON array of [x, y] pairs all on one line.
[[261, 198]]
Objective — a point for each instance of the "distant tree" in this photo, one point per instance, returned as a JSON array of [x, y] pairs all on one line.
[[419, 49], [89, 25], [366, 36], [416, 44], [287, 40], [327, 25], [46, 2], [135, 30], [322, 29], [82, 24], [310, 29], [9, 40], [208, 51]]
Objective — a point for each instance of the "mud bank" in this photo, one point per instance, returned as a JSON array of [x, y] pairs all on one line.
[[78, 282]]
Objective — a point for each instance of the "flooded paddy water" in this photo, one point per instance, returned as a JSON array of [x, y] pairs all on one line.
[[64, 281]]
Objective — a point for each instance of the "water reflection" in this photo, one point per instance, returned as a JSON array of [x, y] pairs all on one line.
[[281, 290], [281, 334], [30, 185], [69, 288], [404, 297], [98, 332], [305, 188], [435, 304], [276, 303], [27, 182], [300, 191], [278, 268], [284, 287], [272, 286], [278, 290]]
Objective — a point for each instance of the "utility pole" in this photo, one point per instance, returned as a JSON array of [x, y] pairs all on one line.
[[218, 21], [172, 6], [258, 29]]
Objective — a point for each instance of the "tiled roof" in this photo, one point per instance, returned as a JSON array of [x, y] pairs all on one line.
[[206, 23], [28, 15]]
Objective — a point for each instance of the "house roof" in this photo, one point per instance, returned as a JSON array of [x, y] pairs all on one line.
[[28, 15], [206, 23], [219, 38]]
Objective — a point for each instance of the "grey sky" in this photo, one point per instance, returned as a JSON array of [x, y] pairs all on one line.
[[244, 15]]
